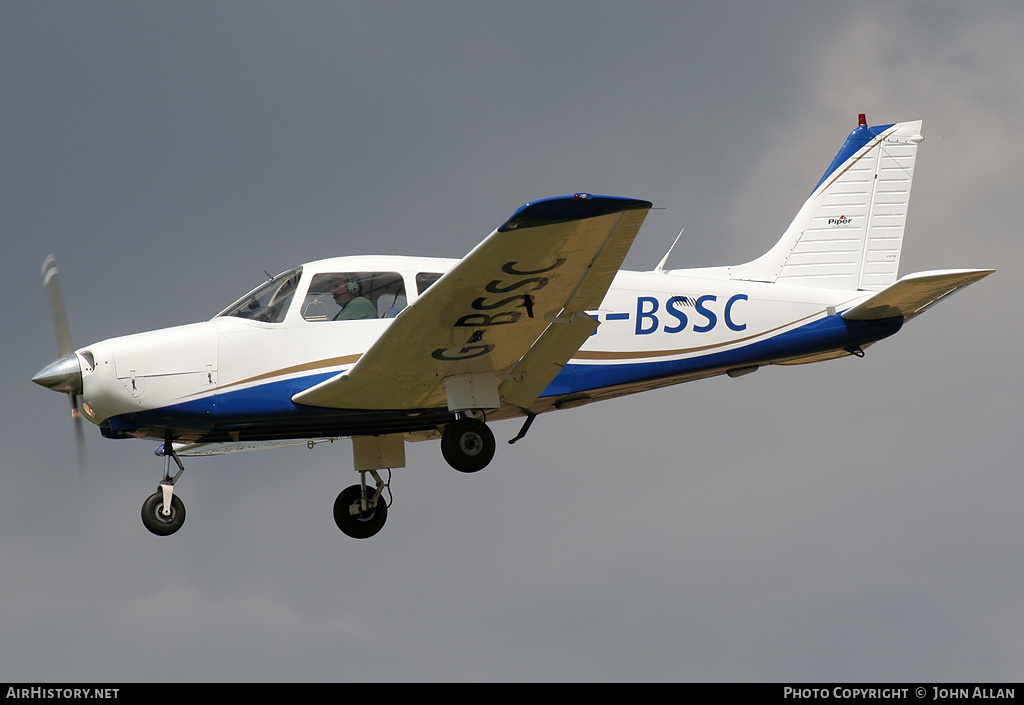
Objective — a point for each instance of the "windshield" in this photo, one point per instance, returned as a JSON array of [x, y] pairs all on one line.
[[269, 301]]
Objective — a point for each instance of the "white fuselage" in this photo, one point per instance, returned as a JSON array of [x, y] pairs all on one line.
[[234, 377]]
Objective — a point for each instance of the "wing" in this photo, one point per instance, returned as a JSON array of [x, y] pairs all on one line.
[[512, 310]]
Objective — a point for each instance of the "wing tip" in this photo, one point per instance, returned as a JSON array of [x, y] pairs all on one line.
[[564, 209]]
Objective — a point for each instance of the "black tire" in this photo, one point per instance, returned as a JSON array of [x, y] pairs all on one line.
[[155, 521], [467, 444], [362, 525]]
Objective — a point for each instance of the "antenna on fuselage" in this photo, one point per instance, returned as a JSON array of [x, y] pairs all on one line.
[[661, 265]]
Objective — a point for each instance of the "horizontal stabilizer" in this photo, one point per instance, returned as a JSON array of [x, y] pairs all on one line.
[[914, 293]]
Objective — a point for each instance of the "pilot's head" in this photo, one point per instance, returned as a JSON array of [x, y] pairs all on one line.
[[345, 290]]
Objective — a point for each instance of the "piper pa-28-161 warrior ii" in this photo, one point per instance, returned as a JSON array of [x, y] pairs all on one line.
[[537, 317]]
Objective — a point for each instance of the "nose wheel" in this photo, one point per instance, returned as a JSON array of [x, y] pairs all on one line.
[[161, 517]]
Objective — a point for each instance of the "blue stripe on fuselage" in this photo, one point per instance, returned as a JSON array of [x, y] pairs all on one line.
[[270, 402], [270, 405], [829, 333]]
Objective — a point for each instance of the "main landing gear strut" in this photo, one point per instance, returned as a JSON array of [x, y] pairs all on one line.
[[466, 443], [361, 510], [163, 512]]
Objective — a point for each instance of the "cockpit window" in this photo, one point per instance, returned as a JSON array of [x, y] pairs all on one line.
[[348, 296], [269, 301], [425, 279]]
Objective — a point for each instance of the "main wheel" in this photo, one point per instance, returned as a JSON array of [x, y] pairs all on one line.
[[154, 519], [467, 444], [361, 525]]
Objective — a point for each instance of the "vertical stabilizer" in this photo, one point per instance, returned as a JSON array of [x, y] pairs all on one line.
[[849, 233]]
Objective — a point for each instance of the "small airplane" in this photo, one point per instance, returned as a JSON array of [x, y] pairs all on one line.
[[536, 318]]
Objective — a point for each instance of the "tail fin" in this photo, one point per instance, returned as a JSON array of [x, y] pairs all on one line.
[[849, 233]]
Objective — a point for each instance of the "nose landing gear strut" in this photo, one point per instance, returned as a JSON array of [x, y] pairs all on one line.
[[163, 512]]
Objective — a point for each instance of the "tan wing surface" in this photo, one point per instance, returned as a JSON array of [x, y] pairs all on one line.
[[513, 307]]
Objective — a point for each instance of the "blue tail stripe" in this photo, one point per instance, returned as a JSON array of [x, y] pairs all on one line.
[[857, 139]]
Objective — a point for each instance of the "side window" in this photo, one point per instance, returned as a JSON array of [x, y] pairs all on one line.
[[349, 296], [425, 279]]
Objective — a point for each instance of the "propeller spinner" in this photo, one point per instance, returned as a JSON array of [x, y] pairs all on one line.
[[64, 374]]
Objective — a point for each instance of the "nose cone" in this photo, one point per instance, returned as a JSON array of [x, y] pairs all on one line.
[[63, 375]]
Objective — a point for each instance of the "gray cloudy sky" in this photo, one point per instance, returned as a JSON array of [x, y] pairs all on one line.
[[853, 520]]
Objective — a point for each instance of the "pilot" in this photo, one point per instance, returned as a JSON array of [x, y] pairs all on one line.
[[353, 305]]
